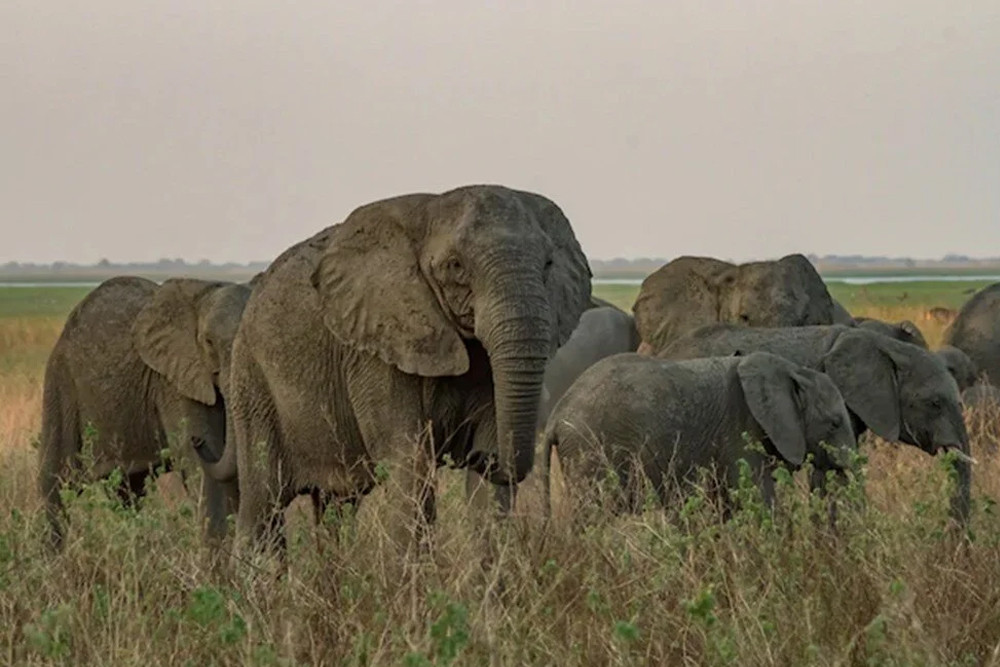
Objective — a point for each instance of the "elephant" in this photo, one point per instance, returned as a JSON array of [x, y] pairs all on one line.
[[902, 392], [961, 367], [976, 331], [136, 362], [958, 363], [904, 330], [411, 335], [841, 315], [601, 332], [672, 418], [690, 292]]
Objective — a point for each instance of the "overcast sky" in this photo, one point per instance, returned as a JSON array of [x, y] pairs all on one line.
[[135, 130]]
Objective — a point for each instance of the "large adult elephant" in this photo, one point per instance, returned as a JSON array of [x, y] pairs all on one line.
[[900, 391], [976, 331], [416, 331], [691, 292], [135, 363]]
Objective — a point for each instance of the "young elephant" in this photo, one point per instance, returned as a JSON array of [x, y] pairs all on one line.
[[134, 363], [900, 391], [960, 365], [674, 417]]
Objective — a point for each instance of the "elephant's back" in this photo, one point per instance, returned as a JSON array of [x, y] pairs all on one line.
[[676, 297], [100, 365], [629, 386], [976, 331], [802, 345], [978, 321], [284, 303], [100, 326]]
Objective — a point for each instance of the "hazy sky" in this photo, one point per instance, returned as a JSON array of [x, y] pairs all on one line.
[[226, 130]]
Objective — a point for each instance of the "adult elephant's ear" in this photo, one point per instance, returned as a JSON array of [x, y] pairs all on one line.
[[166, 337], [866, 377], [374, 297], [773, 396], [800, 274], [568, 281]]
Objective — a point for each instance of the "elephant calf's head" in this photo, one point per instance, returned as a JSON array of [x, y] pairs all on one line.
[[185, 333], [799, 409]]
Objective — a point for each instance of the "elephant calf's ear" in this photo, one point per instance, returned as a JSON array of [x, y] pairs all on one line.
[[866, 377], [374, 297], [166, 337], [771, 394]]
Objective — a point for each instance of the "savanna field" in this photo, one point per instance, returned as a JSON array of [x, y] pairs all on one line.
[[896, 584]]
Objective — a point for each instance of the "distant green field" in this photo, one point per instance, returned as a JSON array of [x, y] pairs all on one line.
[[40, 301], [951, 294]]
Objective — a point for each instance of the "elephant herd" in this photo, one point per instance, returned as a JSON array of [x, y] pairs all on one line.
[[457, 328]]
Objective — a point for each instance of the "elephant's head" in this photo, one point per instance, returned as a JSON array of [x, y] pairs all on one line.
[[799, 409], [961, 367], [904, 331], [185, 333], [783, 293], [417, 280], [903, 393]]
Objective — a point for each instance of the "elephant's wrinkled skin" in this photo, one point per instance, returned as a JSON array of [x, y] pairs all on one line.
[[902, 392], [691, 292], [135, 363], [674, 417], [420, 320], [976, 331]]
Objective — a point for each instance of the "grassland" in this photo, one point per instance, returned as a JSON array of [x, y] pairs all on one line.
[[895, 587]]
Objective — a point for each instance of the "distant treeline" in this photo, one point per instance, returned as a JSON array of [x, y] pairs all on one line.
[[602, 268]]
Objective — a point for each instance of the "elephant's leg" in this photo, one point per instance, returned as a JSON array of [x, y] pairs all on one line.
[[60, 442], [826, 489], [265, 489], [133, 487], [219, 500], [412, 507]]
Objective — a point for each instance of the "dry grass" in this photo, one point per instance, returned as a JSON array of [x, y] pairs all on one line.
[[134, 587]]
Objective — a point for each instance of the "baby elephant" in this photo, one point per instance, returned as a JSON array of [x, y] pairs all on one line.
[[674, 417]]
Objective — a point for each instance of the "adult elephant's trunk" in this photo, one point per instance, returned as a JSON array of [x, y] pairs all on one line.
[[220, 468], [514, 327]]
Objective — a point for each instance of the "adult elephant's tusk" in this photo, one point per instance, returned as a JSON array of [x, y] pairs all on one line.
[[960, 455]]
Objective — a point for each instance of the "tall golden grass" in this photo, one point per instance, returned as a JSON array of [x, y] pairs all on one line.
[[894, 586]]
